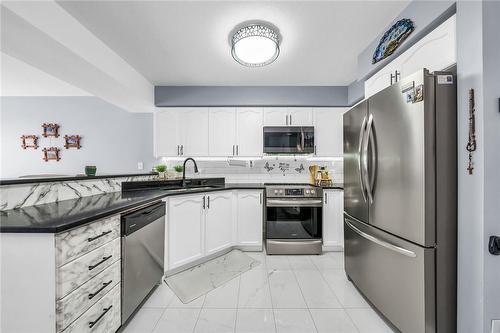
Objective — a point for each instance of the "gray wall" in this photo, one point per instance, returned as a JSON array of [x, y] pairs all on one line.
[[426, 15], [355, 92], [113, 139], [491, 93], [168, 96]]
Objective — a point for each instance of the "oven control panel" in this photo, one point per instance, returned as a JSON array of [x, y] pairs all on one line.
[[289, 191]]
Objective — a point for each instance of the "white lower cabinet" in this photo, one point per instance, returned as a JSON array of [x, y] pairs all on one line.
[[199, 225], [249, 218], [218, 221], [185, 229], [333, 225]]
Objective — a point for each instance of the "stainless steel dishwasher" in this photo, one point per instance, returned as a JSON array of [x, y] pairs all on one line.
[[143, 243]]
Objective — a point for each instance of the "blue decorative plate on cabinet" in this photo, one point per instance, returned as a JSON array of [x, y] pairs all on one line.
[[391, 40]]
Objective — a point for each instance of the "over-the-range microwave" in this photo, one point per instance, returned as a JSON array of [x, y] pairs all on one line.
[[288, 139]]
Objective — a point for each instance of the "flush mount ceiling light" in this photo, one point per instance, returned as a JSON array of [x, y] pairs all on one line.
[[255, 45]]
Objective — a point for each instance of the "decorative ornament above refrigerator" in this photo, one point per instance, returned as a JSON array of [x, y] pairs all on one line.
[[392, 39]]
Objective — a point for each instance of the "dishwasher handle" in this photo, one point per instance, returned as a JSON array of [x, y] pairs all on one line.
[[140, 218]]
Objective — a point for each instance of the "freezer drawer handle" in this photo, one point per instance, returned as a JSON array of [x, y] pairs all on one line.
[[385, 244]]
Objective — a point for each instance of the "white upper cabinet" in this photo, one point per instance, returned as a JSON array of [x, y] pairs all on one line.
[[333, 219], [328, 131], [166, 134], [275, 116], [249, 217], [300, 117], [185, 229], [436, 51], [222, 131], [285, 116], [219, 221], [249, 135], [194, 131]]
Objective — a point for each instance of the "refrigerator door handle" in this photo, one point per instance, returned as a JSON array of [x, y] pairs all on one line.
[[365, 159], [374, 157], [380, 242], [360, 158]]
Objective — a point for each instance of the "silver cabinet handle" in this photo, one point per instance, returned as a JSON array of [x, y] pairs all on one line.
[[360, 158], [204, 202], [287, 119], [397, 76], [237, 150], [208, 202], [380, 242], [315, 150], [178, 150], [233, 150], [260, 198], [326, 198], [290, 119], [365, 159], [182, 150]]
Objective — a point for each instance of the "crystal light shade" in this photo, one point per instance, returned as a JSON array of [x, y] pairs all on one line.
[[255, 45]]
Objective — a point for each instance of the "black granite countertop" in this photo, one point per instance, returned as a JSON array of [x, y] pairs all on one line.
[[30, 180], [63, 215]]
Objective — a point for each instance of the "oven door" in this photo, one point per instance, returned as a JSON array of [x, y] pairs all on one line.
[[288, 140], [294, 219]]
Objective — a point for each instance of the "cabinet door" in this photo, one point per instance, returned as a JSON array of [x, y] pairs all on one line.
[[333, 224], [436, 51], [249, 217], [219, 221], [194, 131], [275, 116], [249, 132], [381, 79], [166, 133], [328, 131], [300, 117], [222, 131], [185, 229]]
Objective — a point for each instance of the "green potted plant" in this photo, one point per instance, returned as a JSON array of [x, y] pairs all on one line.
[[162, 171], [178, 170]]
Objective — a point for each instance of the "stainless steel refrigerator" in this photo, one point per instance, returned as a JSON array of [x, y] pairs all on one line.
[[400, 201]]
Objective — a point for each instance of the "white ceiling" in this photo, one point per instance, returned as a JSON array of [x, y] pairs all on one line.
[[187, 42]]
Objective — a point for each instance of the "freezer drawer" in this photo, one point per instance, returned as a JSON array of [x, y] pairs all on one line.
[[395, 275]]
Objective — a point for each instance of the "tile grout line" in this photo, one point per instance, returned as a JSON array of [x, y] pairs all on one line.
[[158, 321], [271, 296], [237, 304], [305, 301]]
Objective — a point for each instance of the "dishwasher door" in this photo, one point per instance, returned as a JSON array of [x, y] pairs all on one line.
[[143, 243]]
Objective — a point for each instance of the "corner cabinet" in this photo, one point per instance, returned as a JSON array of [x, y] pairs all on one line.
[[200, 225], [440, 41], [333, 221], [249, 218]]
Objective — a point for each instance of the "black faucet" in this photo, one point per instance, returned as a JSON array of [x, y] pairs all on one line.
[[184, 169]]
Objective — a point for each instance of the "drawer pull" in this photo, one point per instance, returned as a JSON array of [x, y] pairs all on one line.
[[91, 239], [92, 323], [91, 267], [104, 285]]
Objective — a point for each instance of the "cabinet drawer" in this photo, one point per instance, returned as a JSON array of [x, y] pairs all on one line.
[[77, 242], [73, 305], [74, 274], [104, 316]]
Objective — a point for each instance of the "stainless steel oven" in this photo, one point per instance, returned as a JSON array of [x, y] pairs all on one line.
[[288, 140], [293, 219]]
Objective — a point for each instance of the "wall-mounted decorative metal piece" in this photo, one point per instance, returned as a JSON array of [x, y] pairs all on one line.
[[50, 130], [51, 154], [72, 141], [392, 39], [471, 144], [29, 141]]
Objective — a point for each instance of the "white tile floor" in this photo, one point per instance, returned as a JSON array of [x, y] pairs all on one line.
[[284, 294]]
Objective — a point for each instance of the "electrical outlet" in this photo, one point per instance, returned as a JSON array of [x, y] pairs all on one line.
[[140, 165], [495, 326]]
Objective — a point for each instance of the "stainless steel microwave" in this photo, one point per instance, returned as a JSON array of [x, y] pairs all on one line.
[[288, 139]]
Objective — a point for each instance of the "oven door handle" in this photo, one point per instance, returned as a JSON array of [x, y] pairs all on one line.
[[294, 203]]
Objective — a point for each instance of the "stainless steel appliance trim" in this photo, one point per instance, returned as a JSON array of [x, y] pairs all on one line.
[[360, 147], [294, 203], [380, 242], [365, 158]]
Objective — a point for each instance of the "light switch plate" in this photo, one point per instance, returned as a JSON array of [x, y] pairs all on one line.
[[495, 326], [140, 165]]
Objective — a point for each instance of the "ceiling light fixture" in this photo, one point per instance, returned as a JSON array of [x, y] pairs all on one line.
[[255, 45]]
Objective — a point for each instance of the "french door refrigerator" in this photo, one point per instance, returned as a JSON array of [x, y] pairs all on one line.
[[400, 170]]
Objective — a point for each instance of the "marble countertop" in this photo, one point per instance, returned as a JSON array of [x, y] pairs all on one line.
[[51, 179], [63, 215]]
